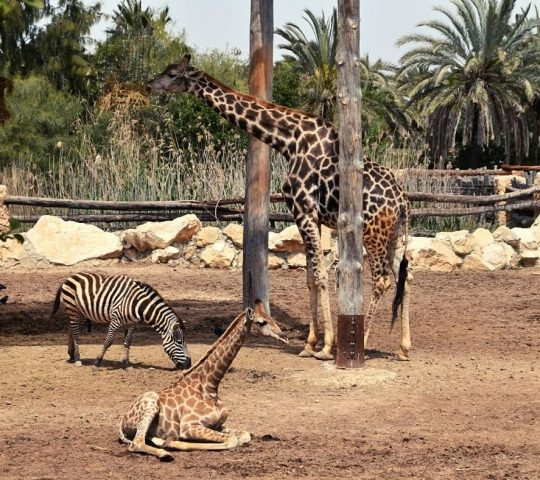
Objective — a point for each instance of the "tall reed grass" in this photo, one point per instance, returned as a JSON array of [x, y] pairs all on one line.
[[139, 166]]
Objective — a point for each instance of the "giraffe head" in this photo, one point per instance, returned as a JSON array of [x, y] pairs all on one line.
[[264, 323], [174, 79]]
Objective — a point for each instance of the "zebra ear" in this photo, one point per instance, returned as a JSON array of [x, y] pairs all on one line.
[[178, 331]]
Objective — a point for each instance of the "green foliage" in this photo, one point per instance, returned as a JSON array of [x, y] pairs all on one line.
[[287, 83], [63, 45], [17, 34], [41, 118], [475, 76]]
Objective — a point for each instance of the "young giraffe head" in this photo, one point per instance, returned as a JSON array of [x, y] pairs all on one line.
[[175, 78], [264, 323]]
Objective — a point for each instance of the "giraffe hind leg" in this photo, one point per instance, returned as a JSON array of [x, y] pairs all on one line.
[[139, 418], [313, 336]]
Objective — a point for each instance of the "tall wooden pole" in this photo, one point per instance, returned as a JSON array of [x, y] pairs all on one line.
[[350, 335], [255, 268]]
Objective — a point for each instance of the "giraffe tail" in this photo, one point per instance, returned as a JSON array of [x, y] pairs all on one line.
[[122, 435], [403, 269], [400, 288]]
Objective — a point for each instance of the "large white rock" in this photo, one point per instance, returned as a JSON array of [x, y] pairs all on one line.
[[68, 243], [431, 254], [275, 262], [288, 240], [461, 242], [207, 236], [529, 241], [297, 260], [165, 254], [218, 255], [482, 237], [154, 235], [504, 234], [495, 256], [235, 233]]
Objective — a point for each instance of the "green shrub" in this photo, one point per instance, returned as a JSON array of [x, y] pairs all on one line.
[[42, 118]]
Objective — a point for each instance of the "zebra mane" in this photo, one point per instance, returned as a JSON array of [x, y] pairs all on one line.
[[148, 289]]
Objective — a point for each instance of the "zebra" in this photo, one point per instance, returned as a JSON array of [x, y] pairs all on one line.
[[119, 301]]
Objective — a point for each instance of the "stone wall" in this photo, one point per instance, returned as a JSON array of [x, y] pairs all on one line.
[[185, 242]]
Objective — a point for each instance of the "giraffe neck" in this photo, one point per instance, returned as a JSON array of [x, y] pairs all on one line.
[[211, 368], [273, 124]]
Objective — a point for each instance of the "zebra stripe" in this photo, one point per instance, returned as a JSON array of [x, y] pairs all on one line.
[[119, 301]]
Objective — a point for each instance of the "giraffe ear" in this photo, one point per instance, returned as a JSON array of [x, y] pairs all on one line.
[[259, 307], [184, 63]]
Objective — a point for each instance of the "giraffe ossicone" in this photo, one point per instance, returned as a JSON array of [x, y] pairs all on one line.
[[188, 414], [311, 191]]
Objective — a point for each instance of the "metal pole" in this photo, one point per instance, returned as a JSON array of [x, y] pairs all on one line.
[[350, 332]]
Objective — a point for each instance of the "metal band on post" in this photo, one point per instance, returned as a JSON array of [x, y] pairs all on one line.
[[350, 341]]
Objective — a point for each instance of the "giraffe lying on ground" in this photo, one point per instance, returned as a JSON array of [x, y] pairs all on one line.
[[188, 414], [311, 190]]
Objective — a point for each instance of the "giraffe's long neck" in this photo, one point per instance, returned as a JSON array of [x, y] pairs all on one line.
[[215, 363], [273, 124]]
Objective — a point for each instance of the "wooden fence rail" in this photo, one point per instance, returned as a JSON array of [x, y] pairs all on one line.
[[214, 210]]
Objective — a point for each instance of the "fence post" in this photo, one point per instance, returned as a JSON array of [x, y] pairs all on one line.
[[4, 214]]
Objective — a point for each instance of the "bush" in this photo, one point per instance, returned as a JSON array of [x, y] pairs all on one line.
[[41, 117]]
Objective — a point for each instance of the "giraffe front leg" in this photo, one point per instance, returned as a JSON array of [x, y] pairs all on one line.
[[309, 230], [199, 437], [243, 437], [311, 343]]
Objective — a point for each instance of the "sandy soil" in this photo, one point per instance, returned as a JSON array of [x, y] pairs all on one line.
[[466, 406]]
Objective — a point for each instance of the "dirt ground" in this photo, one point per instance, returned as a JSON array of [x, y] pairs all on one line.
[[466, 406]]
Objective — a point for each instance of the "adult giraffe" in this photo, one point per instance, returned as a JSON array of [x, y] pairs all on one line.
[[311, 190]]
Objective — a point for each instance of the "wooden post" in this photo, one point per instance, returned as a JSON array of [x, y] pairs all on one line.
[[255, 261], [350, 332]]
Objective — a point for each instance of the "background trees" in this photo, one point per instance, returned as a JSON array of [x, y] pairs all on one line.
[[467, 83], [474, 76]]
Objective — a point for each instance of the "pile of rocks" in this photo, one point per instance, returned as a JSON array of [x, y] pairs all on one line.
[[184, 241]]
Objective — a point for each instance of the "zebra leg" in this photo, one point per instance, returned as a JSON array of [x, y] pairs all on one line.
[[128, 335], [73, 343], [113, 328]]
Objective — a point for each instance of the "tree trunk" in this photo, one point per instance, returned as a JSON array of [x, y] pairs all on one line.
[[255, 267], [350, 351]]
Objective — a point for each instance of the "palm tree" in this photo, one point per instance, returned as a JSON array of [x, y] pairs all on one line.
[[315, 60], [474, 76]]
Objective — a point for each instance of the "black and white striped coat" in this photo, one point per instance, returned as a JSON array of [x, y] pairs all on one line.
[[119, 301]]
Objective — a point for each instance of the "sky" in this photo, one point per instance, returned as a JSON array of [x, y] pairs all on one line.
[[224, 24]]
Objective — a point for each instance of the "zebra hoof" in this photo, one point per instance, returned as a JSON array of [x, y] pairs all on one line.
[[78, 363], [95, 368]]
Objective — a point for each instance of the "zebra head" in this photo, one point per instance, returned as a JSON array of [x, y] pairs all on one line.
[[175, 346]]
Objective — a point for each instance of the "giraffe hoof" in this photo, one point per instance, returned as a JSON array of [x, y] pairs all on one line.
[[166, 457], [306, 353], [322, 355], [243, 438], [402, 357]]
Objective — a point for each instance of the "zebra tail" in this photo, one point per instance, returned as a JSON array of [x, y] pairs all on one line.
[[56, 305]]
